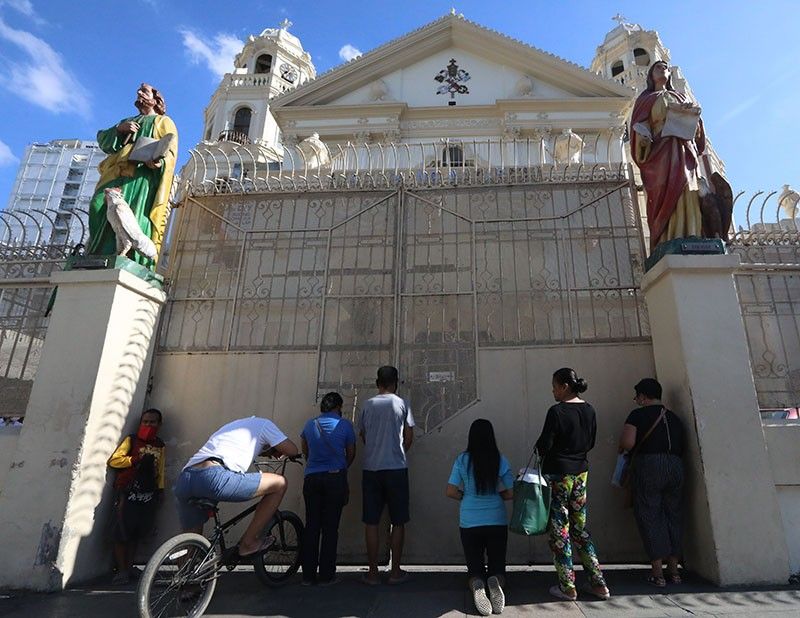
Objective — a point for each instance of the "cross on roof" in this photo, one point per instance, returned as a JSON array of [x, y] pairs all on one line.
[[620, 19], [285, 24]]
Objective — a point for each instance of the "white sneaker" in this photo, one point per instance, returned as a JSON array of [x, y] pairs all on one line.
[[482, 603], [496, 595]]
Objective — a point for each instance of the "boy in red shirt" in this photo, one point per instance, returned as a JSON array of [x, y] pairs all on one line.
[[139, 485]]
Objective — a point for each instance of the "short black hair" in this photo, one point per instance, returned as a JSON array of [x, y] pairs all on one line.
[[387, 377], [154, 411], [331, 401], [649, 387]]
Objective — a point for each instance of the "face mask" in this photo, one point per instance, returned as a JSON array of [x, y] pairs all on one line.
[[146, 432]]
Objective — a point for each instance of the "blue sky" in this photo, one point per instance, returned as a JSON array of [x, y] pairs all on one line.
[[69, 68]]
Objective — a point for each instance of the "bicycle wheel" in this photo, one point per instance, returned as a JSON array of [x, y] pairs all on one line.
[[179, 579], [276, 566]]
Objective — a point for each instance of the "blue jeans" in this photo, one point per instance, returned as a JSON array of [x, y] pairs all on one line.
[[214, 483]]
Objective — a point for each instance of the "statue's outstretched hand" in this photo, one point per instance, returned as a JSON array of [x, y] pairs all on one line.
[[154, 165]]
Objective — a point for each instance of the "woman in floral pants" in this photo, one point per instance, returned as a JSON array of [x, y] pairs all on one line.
[[568, 435]]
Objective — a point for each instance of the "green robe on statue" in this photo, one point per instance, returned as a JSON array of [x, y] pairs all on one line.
[[146, 190]]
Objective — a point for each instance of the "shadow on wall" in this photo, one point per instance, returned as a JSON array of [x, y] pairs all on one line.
[[89, 517]]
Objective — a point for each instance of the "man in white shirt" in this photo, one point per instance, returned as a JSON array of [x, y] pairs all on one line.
[[218, 471], [386, 428]]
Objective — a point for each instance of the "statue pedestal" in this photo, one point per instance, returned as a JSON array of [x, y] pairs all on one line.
[[56, 502], [692, 245], [734, 533]]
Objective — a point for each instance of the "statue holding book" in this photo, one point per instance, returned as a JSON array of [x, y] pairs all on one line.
[[135, 182], [684, 197]]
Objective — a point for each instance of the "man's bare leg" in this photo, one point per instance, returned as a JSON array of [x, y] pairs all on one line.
[[397, 539], [371, 536], [272, 487]]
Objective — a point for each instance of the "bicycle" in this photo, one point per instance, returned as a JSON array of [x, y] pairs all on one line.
[[181, 576]]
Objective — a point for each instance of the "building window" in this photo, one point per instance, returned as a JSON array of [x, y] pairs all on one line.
[[264, 63], [241, 121], [641, 57], [453, 156], [617, 68]]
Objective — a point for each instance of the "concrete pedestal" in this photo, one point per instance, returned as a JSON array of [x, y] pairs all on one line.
[[734, 533], [91, 383]]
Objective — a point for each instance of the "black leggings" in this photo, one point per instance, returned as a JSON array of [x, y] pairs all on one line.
[[489, 541]]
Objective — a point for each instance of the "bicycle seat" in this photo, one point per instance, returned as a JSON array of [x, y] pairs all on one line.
[[204, 503]]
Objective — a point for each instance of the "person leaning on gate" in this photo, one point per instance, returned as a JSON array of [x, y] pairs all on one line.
[[138, 487], [218, 471], [655, 436], [328, 442], [386, 429]]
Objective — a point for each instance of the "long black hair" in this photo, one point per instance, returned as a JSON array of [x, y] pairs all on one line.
[[567, 375], [484, 457]]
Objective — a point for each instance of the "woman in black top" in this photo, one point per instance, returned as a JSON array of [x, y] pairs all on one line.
[[568, 435], [657, 478]]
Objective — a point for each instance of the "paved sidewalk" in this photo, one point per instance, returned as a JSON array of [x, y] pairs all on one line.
[[428, 594]]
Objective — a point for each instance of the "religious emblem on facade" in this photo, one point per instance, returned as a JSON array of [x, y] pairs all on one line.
[[452, 81]]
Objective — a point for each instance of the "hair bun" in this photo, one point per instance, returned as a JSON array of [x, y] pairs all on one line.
[[580, 385]]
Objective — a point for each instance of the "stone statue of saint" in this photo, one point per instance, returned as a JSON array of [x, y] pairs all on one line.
[[145, 186], [683, 198]]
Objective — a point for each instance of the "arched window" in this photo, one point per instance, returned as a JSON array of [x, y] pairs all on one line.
[[641, 57], [453, 156], [617, 68], [241, 121], [264, 63]]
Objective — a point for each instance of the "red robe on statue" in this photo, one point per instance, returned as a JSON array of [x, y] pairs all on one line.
[[667, 167]]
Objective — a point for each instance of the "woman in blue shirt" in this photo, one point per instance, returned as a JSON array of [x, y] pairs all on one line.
[[481, 479], [329, 446]]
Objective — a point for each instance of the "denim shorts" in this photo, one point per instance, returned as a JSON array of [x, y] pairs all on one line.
[[214, 483]]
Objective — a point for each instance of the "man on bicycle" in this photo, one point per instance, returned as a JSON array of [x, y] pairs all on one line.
[[218, 471]]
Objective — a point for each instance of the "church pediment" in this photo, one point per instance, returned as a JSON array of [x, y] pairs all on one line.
[[448, 62]]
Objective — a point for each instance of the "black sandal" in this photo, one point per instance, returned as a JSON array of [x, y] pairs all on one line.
[[658, 582]]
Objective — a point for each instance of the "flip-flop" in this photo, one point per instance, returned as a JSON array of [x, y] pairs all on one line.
[[658, 582], [364, 579], [394, 581], [266, 542]]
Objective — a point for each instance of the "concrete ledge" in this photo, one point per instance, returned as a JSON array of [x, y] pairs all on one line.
[[120, 277], [688, 263]]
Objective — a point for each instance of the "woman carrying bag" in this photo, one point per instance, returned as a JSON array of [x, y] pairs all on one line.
[[568, 435], [481, 480], [654, 436]]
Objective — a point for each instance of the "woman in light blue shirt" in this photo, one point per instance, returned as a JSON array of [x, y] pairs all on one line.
[[481, 480]]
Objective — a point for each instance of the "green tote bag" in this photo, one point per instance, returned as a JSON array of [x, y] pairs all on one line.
[[531, 510]]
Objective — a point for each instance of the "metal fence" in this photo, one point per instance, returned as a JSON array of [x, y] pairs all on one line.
[[768, 284], [421, 277], [26, 263]]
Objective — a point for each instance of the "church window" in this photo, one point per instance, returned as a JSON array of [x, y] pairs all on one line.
[[264, 63], [617, 68], [241, 121], [641, 57], [453, 156]]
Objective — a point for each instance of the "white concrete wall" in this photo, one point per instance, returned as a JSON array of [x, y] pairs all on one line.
[[702, 359], [783, 446], [198, 393], [9, 436], [489, 81], [55, 505]]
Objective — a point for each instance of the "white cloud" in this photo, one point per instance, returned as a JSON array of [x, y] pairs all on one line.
[[348, 52], [23, 6], [6, 156], [218, 56], [42, 78]]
